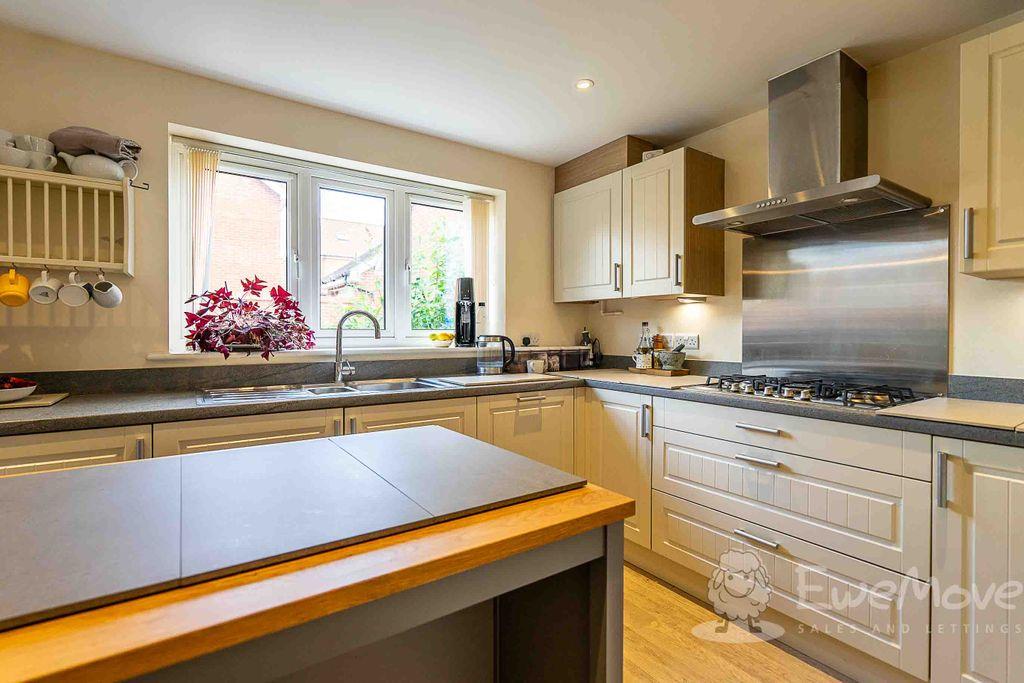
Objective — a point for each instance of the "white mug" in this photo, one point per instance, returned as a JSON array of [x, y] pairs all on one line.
[[44, 289], [75, 293], [536, 366], [107, 294], [642, 360]]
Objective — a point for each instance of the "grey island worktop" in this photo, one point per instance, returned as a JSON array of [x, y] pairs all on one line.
[[77, 538]]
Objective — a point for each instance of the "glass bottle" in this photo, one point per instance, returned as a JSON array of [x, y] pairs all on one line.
[[645, 346]]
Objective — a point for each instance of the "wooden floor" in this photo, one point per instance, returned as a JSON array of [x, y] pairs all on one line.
[[659, 646]]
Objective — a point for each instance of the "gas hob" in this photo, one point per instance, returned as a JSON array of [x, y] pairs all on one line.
[[821, 390]]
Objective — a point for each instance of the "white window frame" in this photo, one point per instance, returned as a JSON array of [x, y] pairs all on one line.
[[304, 179]]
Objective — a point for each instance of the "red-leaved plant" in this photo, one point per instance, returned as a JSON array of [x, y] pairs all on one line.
[[223, 322]]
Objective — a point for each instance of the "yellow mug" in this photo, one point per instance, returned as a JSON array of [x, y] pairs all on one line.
[[13, 289]]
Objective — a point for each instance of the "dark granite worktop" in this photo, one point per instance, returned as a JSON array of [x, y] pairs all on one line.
[[86, 411]]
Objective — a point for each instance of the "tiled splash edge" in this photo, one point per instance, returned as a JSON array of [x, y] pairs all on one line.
[[1003, 389]]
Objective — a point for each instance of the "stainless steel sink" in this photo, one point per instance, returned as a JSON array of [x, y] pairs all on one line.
[[279, 392], [376, 386], [284, 392]]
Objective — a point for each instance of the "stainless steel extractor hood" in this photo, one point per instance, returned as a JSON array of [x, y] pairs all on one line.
[[817, 156]]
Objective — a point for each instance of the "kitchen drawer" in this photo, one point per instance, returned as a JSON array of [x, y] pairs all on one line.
[[216, 434], [880, 518], [62, 450], [867, 607], [883, 450]]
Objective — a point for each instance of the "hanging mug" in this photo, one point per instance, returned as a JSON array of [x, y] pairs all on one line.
[[13, 289], [44, 288], [75, 293], [107, 294]]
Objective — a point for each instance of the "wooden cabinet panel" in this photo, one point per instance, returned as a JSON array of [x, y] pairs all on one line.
[[588, 241], [196, 436], [883, 450], [457, 414], [618, 433], [613, 156], [992, 153], [978, 548], [537, 424], [880, 518], [61, 450], [867, 607]]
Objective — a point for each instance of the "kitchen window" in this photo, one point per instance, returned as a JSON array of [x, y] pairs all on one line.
[[339, 240]]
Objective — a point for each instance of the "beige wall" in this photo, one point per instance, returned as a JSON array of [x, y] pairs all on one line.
[[49, 84], [913, 140]]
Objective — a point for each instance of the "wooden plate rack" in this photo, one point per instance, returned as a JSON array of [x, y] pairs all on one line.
[[60, 221]]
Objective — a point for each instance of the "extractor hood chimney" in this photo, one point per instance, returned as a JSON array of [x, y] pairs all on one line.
[[817, 155]]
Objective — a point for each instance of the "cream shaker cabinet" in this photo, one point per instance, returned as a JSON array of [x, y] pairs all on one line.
[[588, 240], [618, 428], [663, 252], [456, 414], [196, 436], [630, 233], [992, 154], [61, 450], [978, 547], [537, 424]]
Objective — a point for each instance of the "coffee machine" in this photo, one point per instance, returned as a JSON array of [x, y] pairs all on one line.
[[465, 312]]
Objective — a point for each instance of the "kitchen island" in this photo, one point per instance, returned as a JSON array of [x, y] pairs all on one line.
[[409, 555]]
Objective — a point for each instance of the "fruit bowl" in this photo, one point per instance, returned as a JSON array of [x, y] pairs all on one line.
[[441, 343], [14, 388], [441, 340]]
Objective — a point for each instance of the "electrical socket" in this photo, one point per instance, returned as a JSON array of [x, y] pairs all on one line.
[[690, 342]]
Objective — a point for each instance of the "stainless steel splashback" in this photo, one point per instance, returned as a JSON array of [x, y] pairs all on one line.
[[867, 301]]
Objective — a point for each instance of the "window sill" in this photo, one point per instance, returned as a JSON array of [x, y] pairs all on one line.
[[313, 355]]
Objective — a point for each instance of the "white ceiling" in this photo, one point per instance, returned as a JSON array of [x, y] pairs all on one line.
[[499, 73]]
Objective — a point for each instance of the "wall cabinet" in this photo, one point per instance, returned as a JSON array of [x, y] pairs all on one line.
[[588, 240], [537, 424], [456, 414], [618, 430], [196, 436], [61, 450], [992, 154], [630, 233], [978, 545]]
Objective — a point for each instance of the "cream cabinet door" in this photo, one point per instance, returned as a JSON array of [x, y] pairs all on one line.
[[62, 450], [978, 547], [618, 435], [196, 436], [588, 240], [652, 226], [537, 424], [456, 414], [992, 154]]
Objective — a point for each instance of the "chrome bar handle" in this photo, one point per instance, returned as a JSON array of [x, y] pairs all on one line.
[[756, 539], [337, 426], [940, 479], [351, 425], [617, 277], [758, 461], [968, 233], [140, 448], [679, 270], [756, 428], [529, 399], [645, 421]]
